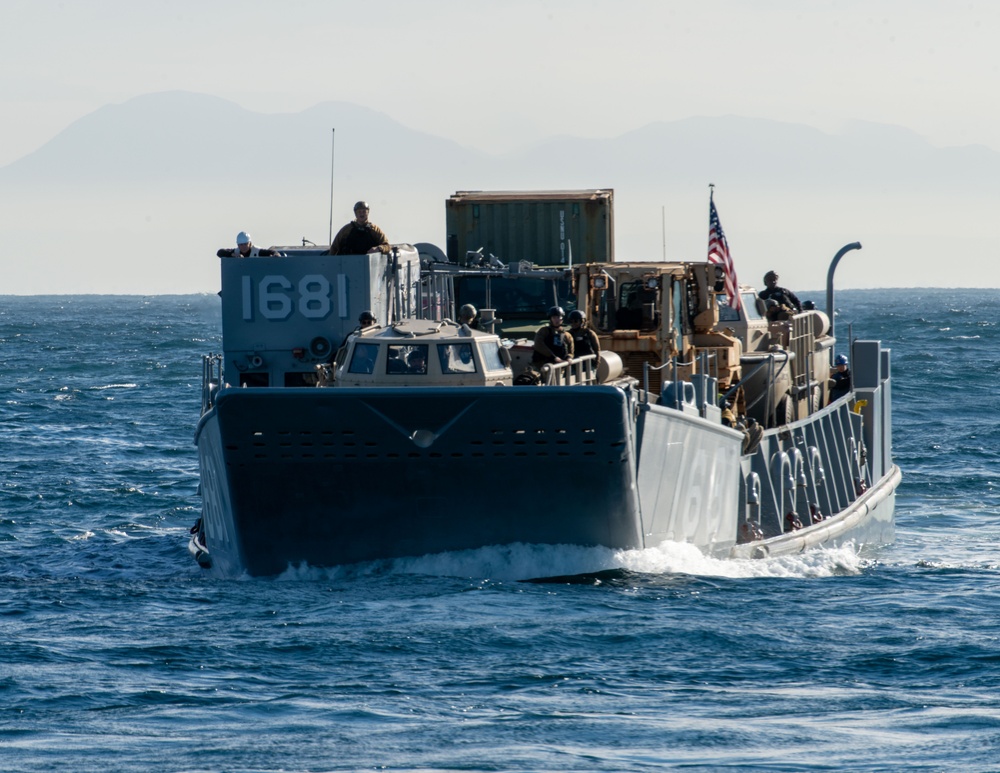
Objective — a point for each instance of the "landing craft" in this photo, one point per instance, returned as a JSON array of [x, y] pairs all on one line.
[[415, 437]]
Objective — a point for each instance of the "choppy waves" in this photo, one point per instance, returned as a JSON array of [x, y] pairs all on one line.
[[553, 563], [119, 652]]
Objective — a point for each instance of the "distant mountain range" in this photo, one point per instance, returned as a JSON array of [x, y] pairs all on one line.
[[172, 176], [179, 137]]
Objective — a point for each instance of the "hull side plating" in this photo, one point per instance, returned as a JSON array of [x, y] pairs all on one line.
[[333, 476], [688, 479]]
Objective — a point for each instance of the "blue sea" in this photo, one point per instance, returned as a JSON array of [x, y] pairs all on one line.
[[118, 654]]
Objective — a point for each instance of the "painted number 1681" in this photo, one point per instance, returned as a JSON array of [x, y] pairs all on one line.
[[275, 299]]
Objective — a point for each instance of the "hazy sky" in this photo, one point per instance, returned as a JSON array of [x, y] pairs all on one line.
[[499, 75], [495, 75]]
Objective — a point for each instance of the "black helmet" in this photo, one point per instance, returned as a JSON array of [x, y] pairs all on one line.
[[366, 316], [468, 311], [557, 311], [576, 316], [361, 205]]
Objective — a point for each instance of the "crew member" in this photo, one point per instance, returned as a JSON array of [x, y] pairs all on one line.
[[245, 249], [467, 316], [416, 361], [366, 319], [552, 343], [360, 236], [585, 340], [840, 376], [780, 295]]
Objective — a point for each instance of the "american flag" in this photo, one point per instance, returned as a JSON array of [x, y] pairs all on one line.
[[718, 252]]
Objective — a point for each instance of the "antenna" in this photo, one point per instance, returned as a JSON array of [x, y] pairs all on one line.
[[333, 147], [663, 226]]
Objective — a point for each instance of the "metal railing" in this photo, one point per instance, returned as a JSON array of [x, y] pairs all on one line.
[[673, 364], [580, 370], [211, 378]]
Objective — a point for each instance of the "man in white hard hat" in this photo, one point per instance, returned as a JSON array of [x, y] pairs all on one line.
[[244, 245], [360, 236], [246, 249]]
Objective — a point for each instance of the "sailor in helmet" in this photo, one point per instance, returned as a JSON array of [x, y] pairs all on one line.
[[245, 249], [552, 342], [467, 316], [780, 295], [840, 377], [585, 340], [365, 320], [360, 236]]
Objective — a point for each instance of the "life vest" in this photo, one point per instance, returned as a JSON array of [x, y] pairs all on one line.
[[557, 344], [582, 343], [360, 239]]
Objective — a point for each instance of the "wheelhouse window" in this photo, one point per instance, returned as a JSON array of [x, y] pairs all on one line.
[[406, 359], [637, 306], [492, 359], [750, 306], [456, 358], [726, 312], [363, 359]]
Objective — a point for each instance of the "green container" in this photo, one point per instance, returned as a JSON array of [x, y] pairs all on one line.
[[547, 228]]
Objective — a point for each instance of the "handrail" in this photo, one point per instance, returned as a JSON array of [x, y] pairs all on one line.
[[211, 379], [646, 367], [579, 370]]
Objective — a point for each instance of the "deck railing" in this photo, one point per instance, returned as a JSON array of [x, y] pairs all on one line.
[[580, 370], [211, 378]]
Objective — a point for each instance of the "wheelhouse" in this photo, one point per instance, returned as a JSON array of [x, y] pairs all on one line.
[[423, 353]]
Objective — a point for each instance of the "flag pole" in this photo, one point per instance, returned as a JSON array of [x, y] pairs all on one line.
[[663, 226], [333, 147], [711, 193], [718, 251]]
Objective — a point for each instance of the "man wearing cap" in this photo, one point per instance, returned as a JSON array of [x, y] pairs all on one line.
[[840, 377], [780, 295], [359, 236], [246, 249]]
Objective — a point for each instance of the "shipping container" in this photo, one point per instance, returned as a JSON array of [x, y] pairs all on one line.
[[547, 228]]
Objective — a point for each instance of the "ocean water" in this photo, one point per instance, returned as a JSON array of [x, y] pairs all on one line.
[[118, 653]]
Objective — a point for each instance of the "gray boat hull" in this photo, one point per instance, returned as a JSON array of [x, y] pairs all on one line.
[[341, 475], [334, 476]]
